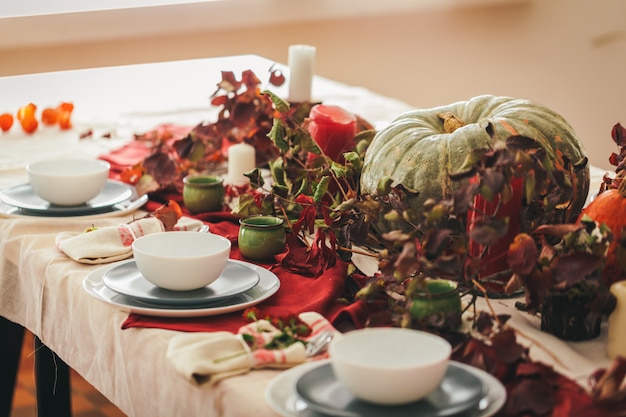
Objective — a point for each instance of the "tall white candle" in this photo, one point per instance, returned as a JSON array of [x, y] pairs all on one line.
[[241, 159], [616, 336], [301, 63]]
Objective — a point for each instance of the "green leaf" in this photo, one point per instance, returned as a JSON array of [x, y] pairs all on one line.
[[280, 104], [321, 189], [529, 185], [245, 206], [339, 170], [277, 171], [472, 159], [256, 179], [197, 151], [304, 187], [305, 141], [278, 135], [487, 192], [355, 160], [280, 190]]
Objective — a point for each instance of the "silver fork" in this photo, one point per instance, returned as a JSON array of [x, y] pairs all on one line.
[[319, 342]]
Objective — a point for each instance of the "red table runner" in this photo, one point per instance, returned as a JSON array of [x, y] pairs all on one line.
[[325, 294]]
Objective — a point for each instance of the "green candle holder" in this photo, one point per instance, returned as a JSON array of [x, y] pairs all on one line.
[[203, 193], [261, 237], [440, 298]]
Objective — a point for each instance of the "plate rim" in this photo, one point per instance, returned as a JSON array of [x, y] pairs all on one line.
[[460, 408], [179, 302], [128, 193], [92, 283], [285, 381]]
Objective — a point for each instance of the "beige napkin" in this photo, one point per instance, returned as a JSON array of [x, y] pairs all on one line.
[[206, 358], [113, 243]]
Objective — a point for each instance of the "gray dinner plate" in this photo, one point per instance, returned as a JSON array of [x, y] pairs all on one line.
[[24, 198], [459, 393], [127, 280]]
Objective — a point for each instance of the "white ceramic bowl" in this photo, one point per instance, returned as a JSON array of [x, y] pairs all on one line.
[[181, 261], [389, 366], [68, 182]]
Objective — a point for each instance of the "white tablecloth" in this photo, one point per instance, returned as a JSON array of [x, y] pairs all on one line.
[[41, 288]]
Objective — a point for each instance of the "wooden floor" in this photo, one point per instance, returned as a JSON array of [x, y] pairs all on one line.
[[86, 400]]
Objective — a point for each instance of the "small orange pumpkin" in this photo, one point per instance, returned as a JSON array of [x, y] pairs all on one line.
[[609, 207]]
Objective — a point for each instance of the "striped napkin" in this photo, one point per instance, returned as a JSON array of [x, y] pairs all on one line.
[[113, 243]]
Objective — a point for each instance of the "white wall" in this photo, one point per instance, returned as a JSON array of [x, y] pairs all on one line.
[[569, 55]]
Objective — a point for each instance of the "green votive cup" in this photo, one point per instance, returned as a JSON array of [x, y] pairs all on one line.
[[261, 237], [203, 193], [440, 298]]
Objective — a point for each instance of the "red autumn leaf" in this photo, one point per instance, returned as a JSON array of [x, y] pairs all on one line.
[[161, 166], [618, 133], [243, 113], [529, 397], [250, 80], [228, 83], [306, 221], [310, 261], [277, 77], [507, 349]]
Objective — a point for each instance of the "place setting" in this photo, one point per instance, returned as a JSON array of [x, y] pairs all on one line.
[[69, 187], [385, 372], [181, 274]]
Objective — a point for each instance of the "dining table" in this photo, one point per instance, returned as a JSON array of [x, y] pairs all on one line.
[[120, 350]]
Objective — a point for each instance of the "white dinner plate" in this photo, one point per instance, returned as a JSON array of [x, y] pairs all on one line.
[[267, 286], [281, 395], [126, 279], [24, 198]]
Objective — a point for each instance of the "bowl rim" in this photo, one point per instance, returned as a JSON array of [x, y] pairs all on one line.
[[32, 167], [226, 248], [442, 354]]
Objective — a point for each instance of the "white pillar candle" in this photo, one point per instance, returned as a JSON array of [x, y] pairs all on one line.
[[616, 332], [301, 63], [241, 159]]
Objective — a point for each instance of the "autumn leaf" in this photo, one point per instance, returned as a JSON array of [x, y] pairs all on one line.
[[523, 253], [574, 267], [168, 214], [487, 230]]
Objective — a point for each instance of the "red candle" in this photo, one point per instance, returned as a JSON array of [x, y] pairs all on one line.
[[495, 259], [333, 129]]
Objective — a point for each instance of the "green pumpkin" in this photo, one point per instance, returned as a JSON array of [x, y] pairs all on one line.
[[420, 148]]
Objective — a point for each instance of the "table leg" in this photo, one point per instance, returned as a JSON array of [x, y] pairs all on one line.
[[10, 351], [52, 379]]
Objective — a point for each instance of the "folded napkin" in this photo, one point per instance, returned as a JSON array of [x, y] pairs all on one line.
[[113, 243], [206, 358]]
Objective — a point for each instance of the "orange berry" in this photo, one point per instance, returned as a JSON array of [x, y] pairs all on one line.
[[49, 116], [6, 121], [26, 111], [65, 121], [65, 110], [29, 124], [65, 107]]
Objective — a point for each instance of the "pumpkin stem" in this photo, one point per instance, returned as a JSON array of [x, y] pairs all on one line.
[[450, 121]]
